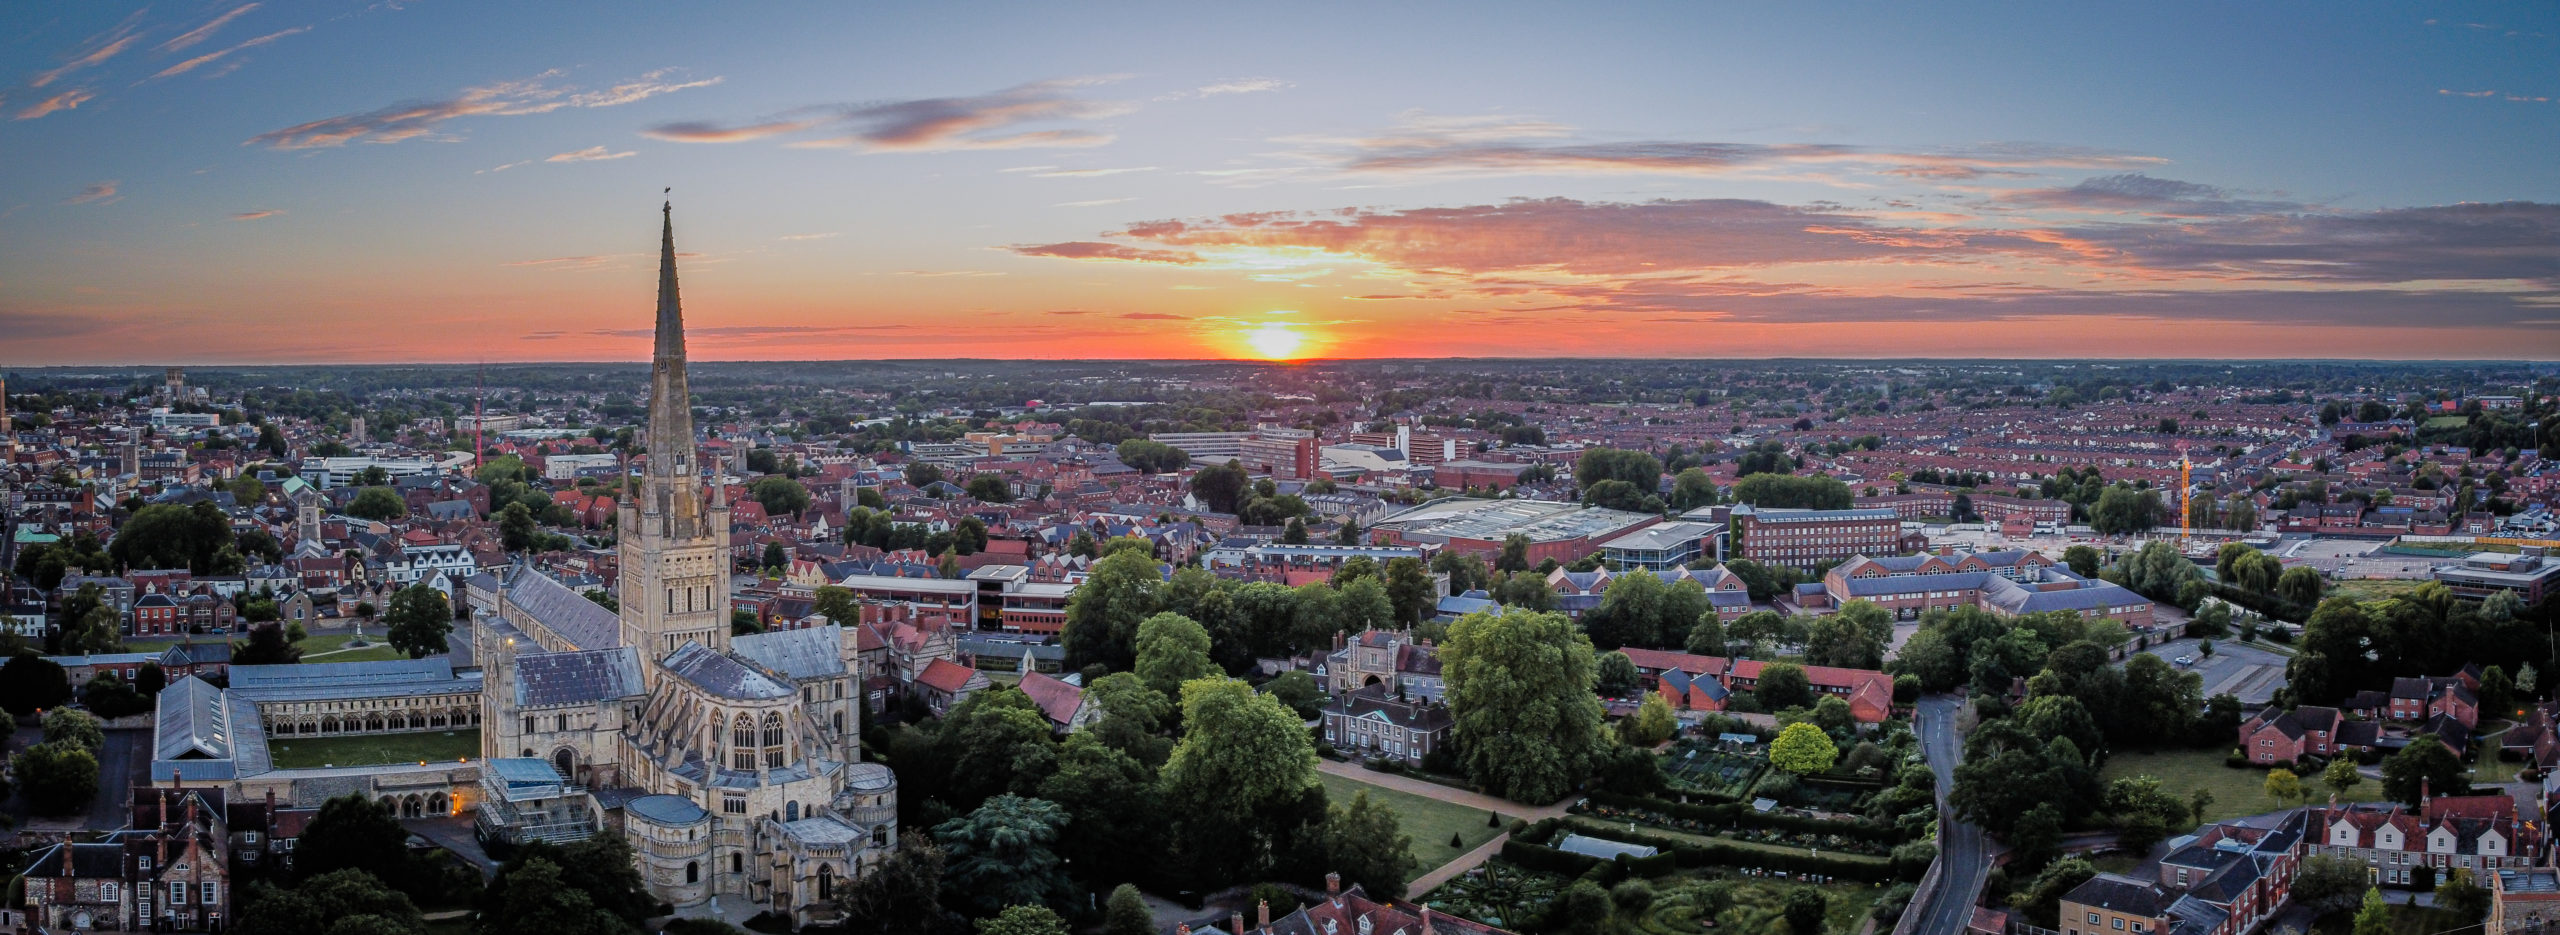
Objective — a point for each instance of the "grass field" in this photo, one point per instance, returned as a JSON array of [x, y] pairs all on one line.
[[325, 647], [375, 750], [2368, 589], [2447, 422], [1429, 822], [2236, 792], [2405, 920]]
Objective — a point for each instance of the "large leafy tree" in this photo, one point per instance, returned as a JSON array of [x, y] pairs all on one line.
[[535, 899], [1364, 842], [900, 894], [165, 535], [420, 620], [1802, 749], [996, 742], [2423, 767], [1024, 920], [1520, 687], [1113, 806], [1783, 685], [339, 902], [1104, 613], [58, 778], [1172, 650], [1004, 854], [377, 503], [1853, 638], [353, 833], [1239, 779], [29, 682], [1410, 590]]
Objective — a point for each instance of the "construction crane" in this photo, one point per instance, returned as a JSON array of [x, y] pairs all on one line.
[[2186, 495]]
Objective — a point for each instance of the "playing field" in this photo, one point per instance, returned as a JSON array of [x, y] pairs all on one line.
[[1429, 822]]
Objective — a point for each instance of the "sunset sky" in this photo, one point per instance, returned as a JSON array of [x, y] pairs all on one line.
[[434, 180]]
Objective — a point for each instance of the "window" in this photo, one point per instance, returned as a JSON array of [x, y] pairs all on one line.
[[2119, 924], [734, 804], [107, 890], [737, 863], [177, 892], [210, 889]]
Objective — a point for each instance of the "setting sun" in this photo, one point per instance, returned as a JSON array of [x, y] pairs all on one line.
[[1274, 341]]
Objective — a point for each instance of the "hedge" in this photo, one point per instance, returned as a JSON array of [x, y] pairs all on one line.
[[1717, 854], [1735, 815]]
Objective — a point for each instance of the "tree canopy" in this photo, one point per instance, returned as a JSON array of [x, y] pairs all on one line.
[[1520, 687]]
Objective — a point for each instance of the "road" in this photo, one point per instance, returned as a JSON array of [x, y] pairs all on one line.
[[1964, 855]]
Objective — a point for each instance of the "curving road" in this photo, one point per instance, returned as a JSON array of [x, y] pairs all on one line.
[[1964, 855]]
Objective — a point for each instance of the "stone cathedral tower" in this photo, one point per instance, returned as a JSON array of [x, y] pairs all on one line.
[[674, 541]]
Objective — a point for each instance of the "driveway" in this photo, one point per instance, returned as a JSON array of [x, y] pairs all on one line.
[[1964, 854], [2235, 668]]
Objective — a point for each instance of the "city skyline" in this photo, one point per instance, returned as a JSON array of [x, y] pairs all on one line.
[[246, 182]]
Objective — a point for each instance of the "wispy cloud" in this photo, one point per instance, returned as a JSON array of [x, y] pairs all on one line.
[[1476, 145], [1153, 316], [100, 193], [1057, 173], [67, 99], [193, 63], [820, 236], [256, 215], [96, 51], [204, 32], [415, 119], [590, 154], [1094, 203], [986, 121], [2142, 194], [1236, 86], [1097, 250]]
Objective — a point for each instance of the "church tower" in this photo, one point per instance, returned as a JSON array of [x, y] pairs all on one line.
[[674, 542]]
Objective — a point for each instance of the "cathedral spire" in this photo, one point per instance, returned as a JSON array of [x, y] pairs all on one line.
[[673, 489]]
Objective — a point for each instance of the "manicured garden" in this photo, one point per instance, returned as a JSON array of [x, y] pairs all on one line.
[[1430, 822], [1700, 767], [378, 749]]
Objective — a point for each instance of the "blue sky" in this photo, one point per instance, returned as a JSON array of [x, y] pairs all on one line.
[[233, 181]]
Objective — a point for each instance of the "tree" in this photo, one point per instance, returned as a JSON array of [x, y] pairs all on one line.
[[1634, 468], [1024, 920], [2300, 584], [1652, 723], [2283, 786], [1366, 844], [990, 488], [29, 682], [95, 629], [2036, 841], [923, 474], [1104, 612], [1002, 854], [2145, 810], [1783, 685], [1784, 491], [56, 778], [267, 646], [1466, 572], [1126, 913], [1364, 604], [1803, 749], [1299, 691], [1295, 533], [996, 742], [1520, 689], [2462, 895], [1853, 638], [1152, 457], [1515, 554], [1805, 908], [110, 696], [1615, 676], [1239, 778], [899, 895], [165, 535], [420, 620], [2124, 509], [1172, 650], [1221, 487], [1112, 804], [150, 679], [1410, 590], [2424, 766], [377, 503], [2373, 917], [1620, 495], [1707, 637], [2084, 560], [1582, 909], [532, 898], [340, 902], [2041, 898], [74, 727], [2327, 883], [1691, 489], [352, 832], [2341, 776]]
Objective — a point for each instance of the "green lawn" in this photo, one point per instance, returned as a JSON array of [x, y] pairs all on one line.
[[375, 749], [1429, 822], [2447, 422], [2236, 792]]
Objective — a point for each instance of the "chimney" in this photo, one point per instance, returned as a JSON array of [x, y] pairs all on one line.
[[1262, 914], [1333, 884], [1235, 921], [2423, 795], [1426, 921], [1183, 929]]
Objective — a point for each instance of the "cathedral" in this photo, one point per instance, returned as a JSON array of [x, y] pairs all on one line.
[[733, 762]]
